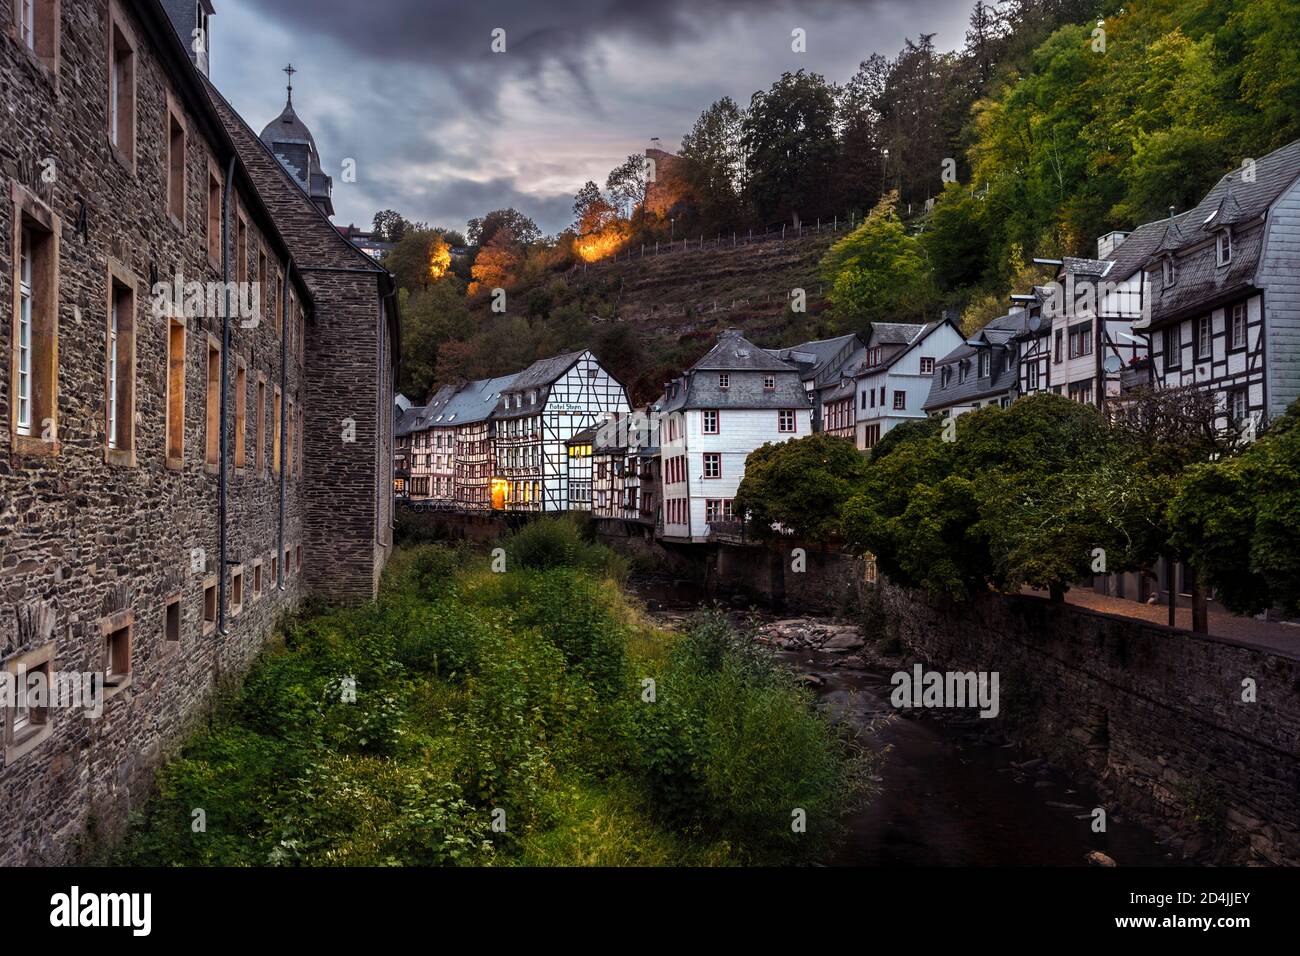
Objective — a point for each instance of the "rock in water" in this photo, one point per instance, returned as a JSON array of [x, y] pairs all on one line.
[[1097, 858], [844, 642]]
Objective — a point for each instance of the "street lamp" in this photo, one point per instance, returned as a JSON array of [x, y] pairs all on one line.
[[672, 228]]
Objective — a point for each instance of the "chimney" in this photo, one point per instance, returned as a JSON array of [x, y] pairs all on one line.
[[191, 19], [1108, 243]]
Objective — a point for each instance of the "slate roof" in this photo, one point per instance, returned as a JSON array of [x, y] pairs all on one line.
[[538, 378], [1233, 201], [892, 335], [407, 421], [746, 365], [474, 401], [1133, 252], [816, 360], [998, 332], [895, 333], [734, 352]]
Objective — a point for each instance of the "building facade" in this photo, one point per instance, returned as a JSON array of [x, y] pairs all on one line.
[[1224, 293], [893, 380], [156, 439], [735, 399], [546, 405], [984, 370], [470, 413]]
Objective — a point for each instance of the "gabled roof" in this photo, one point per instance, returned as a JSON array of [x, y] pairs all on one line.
[[816, 359], [916, 334], [1240, 199], [894, 333], [734, 352], [545, 371], [475, 401]]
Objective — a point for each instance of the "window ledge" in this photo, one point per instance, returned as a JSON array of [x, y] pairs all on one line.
[[28, 740], [35, 447], [211, 467], [209, 627], [112, 690], [175, 464], [123, 160], [121, 457], [176, 222]]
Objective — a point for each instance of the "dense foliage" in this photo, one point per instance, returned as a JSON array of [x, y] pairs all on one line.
[[478, 694], [1239, 520], [798, 487]]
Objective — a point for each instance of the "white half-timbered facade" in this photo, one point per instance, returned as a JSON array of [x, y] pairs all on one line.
[[1224, 288], [546, 405]]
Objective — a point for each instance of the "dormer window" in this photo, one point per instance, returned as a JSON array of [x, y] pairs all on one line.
[[985, 363], [1223, 246], [944, 374], [769, 383], [1170, 273], [961, 370], [724, 380]]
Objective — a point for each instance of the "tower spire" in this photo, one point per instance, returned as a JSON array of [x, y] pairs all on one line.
[[290, 71]]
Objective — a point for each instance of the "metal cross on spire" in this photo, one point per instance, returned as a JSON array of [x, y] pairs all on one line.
[[290, 71]]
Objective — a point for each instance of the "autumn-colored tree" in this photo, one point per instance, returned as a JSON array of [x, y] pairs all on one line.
[[496, 264]]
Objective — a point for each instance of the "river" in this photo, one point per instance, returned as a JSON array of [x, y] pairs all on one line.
[[946, 797]]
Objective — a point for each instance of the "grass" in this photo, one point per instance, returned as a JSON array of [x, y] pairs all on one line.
[[533, 717]]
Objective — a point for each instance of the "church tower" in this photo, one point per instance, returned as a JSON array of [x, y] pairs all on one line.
[[291, 141]]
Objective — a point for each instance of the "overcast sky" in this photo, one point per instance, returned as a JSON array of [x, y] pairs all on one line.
[[443, 129]]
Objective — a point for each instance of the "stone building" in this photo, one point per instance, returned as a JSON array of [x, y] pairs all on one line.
[[172, 476]]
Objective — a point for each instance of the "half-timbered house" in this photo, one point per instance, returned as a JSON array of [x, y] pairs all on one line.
[[469, 413], [545, 406], [1224, 292]]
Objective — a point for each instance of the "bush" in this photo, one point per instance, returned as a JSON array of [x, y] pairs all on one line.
[[560, 543], [732, 745], [475, 693]]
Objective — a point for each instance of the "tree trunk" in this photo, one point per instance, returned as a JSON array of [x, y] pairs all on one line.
[[1171, 581], [1200, 605]]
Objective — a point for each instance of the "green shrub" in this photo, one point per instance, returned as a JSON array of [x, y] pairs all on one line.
[[560, 543]]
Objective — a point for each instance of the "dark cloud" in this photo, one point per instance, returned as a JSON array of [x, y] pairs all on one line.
[[443, 129]]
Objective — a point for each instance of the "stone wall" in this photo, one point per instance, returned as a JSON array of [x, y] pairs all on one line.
[[1153, 715], [88, 537]]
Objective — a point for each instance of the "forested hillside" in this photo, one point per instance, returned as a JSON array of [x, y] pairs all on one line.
[[1056, 122]]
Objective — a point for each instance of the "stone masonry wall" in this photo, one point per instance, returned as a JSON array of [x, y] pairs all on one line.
[[83, 539], [1152, 714]]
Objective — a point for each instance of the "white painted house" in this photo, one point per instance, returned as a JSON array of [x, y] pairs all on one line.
[[540, 410], [735, 399], [892, 382]]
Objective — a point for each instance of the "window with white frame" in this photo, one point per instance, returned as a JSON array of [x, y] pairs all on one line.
[[712, 464], [900, 400], [927, 365], [986, 363], [724, 380], [1238, 338], [769, 383], [710, 421], [1223, 246], [785, 420], [1169, 272], [1204, 337], [1238, 405]]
